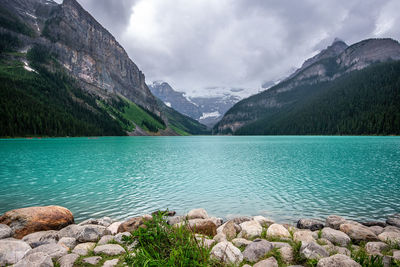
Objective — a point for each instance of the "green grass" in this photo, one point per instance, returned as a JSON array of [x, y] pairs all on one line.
[[141, 118], [160, 244]]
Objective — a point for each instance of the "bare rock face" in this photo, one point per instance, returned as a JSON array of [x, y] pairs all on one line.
[[92, 55], [33, 219]]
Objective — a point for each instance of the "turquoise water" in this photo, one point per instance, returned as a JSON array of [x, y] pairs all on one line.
[[284, 178]]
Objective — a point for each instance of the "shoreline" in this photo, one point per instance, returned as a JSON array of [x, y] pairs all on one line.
[[50, 232]]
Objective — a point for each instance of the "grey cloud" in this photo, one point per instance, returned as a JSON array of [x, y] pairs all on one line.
[[199, 44]]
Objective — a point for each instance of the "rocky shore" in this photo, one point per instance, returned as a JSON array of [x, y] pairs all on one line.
[[48, 236]]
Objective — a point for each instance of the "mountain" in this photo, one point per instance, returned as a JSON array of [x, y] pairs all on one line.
[[342, 90], [63, 44], [206, 110]]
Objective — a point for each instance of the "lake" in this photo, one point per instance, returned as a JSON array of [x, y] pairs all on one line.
[[281, 177]]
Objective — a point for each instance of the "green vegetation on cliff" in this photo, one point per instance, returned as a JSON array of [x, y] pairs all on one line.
[[359, 103]]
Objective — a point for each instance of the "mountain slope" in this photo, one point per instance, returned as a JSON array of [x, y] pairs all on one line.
[[86, 53], [206, 110], [259, 114]]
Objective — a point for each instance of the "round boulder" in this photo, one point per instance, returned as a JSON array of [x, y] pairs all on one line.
[[313, 251], [270, 262], [227, 252], [109, 249], [338, 260], [33, 219], [5, 231], [334, 221], [197, 214], [303, 235], [257, 249], [36, 259], [277, 230], [358, 232], [336, 237], [11, 251], [131, 225], [41, 238], [311, 224]]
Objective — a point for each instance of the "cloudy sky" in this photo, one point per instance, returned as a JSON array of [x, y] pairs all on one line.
[[196, 45]]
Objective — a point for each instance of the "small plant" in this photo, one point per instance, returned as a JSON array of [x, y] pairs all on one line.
[[361, 256], [160, 244], [312, 262], [319, 234]]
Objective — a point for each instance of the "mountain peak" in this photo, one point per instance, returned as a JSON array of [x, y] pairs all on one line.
[[337, 40]]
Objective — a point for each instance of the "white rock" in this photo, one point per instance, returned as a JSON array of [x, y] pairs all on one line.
[[250, 229], [270, 262], [238, 242], [55, 251], [263, 221], [277, 230], [5, 231], [68, 242], [92, 260], [68, 260], [11, 251], [335, 236], [227, 252], [38, 259], [105, 239], [109, 249], [84, 248], [113, 228], [110, 263], [197, 214], [337, 260], [221, 237], [393, 237], [303, 235], [41, 238]]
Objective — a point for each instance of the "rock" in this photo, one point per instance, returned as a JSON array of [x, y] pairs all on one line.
[[105, 239], [263, 221], [391, 229], [11, 251], [131, 225], [392, 237], [313, 251], [92, 260], [55, 251], [286, 254], [5, 231], [396, 255], [250, 229], [109, 249], [197, 214], [110, 263], [375, 248], [304, 235], [358, 233], [221, 237], [84, 248], [270, 262], [105, 221], [41, 238], [374, 223], [344, 251], [175, 219], [334, 221], [208, 243], [119, 238], [113, 228], [311, 224], [246, 265], [68, 242], [335, 236], [227, 252], [377, 230], [218, 221], [238, 242], [242, 219], [257, 249], [203, 226], [68, 260], [394, 220], [38, 259], [229, 229], [84, 233], [280, 244], [324, 241], [338, 260], [29, 220], [277, 230]]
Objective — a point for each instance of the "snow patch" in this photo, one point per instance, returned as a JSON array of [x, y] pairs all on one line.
[[214, 114], [26, 66], [168, 104], [190, 100]]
